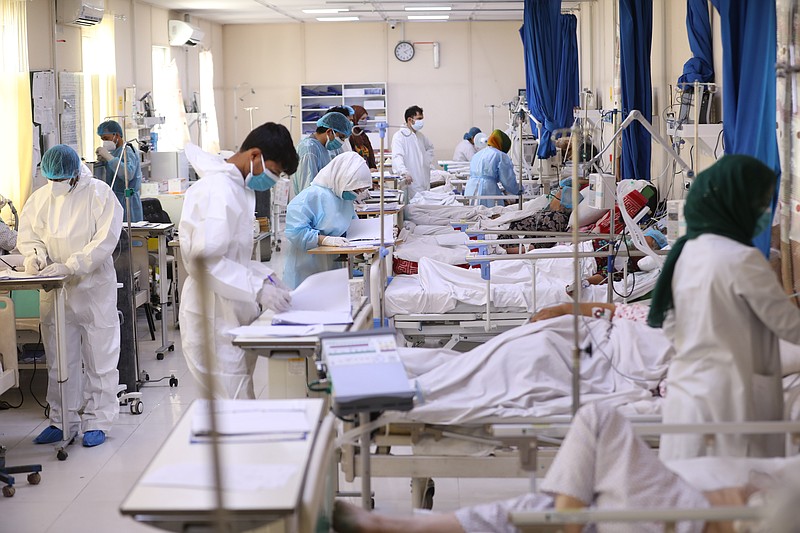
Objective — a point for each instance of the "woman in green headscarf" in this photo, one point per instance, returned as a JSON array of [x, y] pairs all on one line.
[[720, 303], [489, 168]]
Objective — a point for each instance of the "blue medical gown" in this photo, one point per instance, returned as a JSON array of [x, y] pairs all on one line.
[[487, 169], [313, 157], [315, 211], [134, 181]]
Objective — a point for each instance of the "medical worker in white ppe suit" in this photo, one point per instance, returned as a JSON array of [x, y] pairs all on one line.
[[70, 227], [217, 227], [412, 153]]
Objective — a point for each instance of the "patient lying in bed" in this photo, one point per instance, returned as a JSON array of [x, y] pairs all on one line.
[[601, 464]]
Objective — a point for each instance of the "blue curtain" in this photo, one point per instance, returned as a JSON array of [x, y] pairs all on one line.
[[698, 24], [636, 34], [749, 40], [568, 95], [541, 42]]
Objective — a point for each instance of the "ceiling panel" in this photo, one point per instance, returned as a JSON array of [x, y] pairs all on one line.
[[270, 11]]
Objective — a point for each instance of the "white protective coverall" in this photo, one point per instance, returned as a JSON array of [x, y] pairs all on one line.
[[412, 153], [217, 226], [464, 151], [729, 313], [81, 230]]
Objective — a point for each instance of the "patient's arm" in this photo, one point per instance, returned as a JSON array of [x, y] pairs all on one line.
[[348, 518], [586, 309]]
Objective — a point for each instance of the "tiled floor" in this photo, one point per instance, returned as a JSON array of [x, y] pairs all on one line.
[[84, 492]]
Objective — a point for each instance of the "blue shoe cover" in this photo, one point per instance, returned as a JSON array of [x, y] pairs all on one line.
[[50, 435], [93, 438]]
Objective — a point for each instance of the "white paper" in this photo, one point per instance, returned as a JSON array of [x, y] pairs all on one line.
[[323, 298], [10, 274], [369, 229], [249, 418], [150, 225], [260, 330], [240, 477]]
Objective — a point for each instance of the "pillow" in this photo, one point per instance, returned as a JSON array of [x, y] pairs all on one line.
[[586, 213]]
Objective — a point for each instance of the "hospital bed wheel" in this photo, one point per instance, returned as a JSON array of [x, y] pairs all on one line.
[[137, 407], [173, 382], [160, 356], [8, 491], [372, 504], [171, 348], [34, 478], [427, 499], [62, 455]]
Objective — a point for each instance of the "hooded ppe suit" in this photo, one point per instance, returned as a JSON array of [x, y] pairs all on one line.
[[79, 229], [217, 226], [320, 210], [412, 153]]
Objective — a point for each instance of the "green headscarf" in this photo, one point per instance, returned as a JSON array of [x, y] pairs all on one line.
[[726, 199]]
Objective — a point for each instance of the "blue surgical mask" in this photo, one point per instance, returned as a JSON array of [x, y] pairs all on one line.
[[334, 144], [260, 182], [349, 195], [763, 222]]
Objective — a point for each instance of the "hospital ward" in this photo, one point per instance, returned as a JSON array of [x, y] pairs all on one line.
[[400, 266]]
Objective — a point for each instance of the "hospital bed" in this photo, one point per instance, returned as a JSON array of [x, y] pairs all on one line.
[[450, 435], [449, 304], [296, 498]]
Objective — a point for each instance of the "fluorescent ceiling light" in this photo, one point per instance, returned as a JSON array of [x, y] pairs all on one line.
[[428, 17], [325, 11], [336, 19], [429, 8]]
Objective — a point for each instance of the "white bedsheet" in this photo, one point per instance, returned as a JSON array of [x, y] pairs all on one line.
[[444, 286], [527, 372], [448, 248]]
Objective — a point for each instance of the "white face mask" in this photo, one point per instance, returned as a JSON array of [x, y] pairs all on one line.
[[110, 145], [60, 187], [418, 124]]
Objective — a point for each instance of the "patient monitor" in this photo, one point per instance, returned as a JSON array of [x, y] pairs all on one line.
[[366, 372]]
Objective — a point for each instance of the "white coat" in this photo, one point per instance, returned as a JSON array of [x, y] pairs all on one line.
[[729, 313], [217, 225], [412, 153], [81, 230], [464, 151]]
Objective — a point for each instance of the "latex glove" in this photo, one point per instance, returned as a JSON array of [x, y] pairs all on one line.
[[56, 269], [273, 297], [329, 240], [407, 179], [103, 153], [34, 264], [3, 201], [275, 280]]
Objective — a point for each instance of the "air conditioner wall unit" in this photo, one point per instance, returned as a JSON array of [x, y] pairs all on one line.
[[182, 33], [80, 13]]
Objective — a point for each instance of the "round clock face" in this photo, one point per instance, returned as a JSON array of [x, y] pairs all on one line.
[[404, 51]]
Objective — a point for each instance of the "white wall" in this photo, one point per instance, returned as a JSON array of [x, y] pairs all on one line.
[[481, 63], [137, 28]]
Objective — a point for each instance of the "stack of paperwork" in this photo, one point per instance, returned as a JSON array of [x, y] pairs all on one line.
[[323, 298]]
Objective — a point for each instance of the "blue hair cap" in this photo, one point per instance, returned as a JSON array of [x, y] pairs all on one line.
[[60, 163], [109, 127], [337, 122], [473, 131]]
